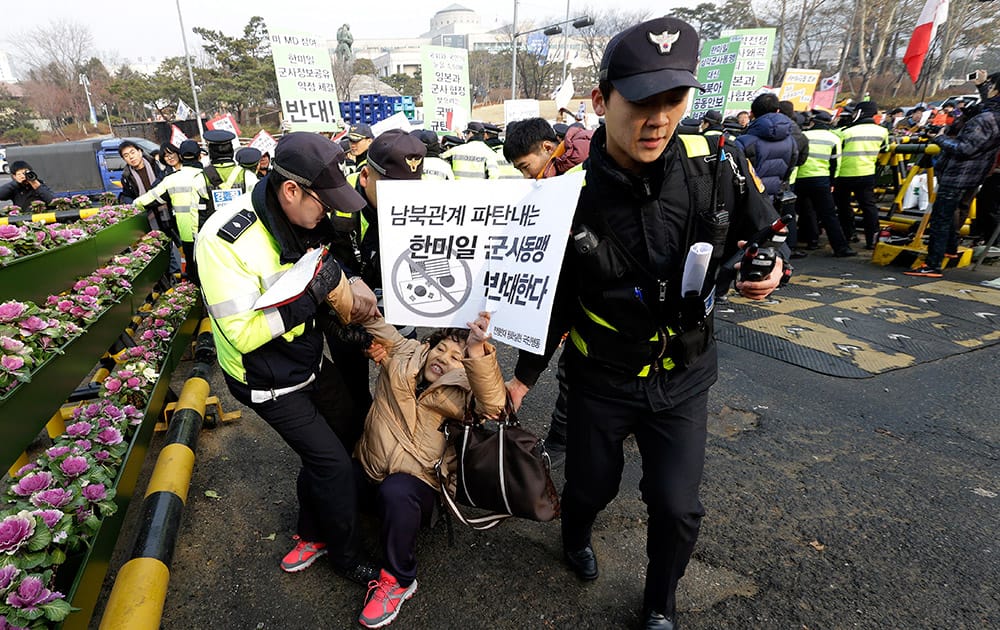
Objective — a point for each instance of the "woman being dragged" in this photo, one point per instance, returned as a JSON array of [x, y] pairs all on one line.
[[420, 384]]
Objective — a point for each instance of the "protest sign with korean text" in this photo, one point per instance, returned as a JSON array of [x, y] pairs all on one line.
[[264, 142], [798, 87], [519, 109], [446, 93], [452, 249], [716, 66], [753, 66], [305, 81]]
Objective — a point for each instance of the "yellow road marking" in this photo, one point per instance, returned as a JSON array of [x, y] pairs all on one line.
[[886, 310], [962, 291]]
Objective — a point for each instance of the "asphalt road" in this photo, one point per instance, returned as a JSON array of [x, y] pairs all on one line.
[[831, 503]]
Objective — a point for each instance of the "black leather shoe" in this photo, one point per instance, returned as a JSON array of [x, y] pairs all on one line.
[[656, 621], [845, 253], [362, 573], [583, 563]]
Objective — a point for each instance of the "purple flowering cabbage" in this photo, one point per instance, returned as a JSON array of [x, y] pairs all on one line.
[[30, 484], [95, 492], [53, 498], [74, 466], [31, 594], [15, 530]]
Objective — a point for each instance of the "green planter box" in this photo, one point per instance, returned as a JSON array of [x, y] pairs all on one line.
[[82, 576], [37, 276], [25, 411]]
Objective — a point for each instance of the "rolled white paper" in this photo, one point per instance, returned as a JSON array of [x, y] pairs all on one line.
[[695, 268]]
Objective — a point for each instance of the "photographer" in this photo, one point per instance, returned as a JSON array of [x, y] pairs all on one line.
[[25, 187]]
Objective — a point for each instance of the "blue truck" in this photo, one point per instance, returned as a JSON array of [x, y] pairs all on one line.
[[84, 167]]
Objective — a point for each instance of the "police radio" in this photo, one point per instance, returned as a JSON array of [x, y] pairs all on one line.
[[757, 263], [773, 233]]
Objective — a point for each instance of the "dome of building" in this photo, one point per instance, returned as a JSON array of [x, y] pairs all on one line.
[[451, 15]]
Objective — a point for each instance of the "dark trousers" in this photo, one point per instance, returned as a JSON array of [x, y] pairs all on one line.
[[307, 421], [672, 445], [988, 207], [815, 205], [191, 267], [404, 504], [862, 189], [945, 213], [557, 426]]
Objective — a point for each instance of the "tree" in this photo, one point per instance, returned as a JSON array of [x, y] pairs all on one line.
[[407, 85], [13, 112], [365, 67], [343, 72], [242, 71], [607, 23], [53, 56]]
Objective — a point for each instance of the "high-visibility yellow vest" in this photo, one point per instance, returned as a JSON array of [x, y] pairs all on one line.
[[473, 160], [436, 168], [505, 168], [860, 149], [824, 145], [182, 190], [233, 275]]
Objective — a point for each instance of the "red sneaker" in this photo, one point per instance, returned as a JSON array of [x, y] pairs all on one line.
[[303, 555], [385, 597]]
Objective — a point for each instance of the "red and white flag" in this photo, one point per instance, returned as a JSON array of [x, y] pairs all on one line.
[[935, 13]]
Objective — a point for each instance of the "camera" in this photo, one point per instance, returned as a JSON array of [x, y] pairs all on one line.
[[30, 176], [585, 241], [971, 76]]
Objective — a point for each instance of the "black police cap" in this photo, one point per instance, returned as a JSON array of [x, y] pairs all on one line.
[[651, 57], [395, 154], [313, 161], [248, 156], [219, 136]]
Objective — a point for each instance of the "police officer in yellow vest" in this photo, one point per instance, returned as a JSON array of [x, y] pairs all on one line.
[[813, 181], [862, 142], [434, 166], [179, 190], [224, 178], [272, 354], [473, 160], [505, 169], [641, 356]]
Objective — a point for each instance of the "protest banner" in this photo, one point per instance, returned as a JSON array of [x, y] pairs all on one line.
[[264, 142], [451, 249], [798, 87], [753, 65], [176, 136], [519, 109], [305, 81], [226, 122], [716, 66], [446, 94]]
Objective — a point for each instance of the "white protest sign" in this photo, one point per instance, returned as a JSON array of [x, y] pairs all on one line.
[[451, 249], [305, 80], [396, 121], [176, 136], [519, 109], [264, 142], [446, 94]]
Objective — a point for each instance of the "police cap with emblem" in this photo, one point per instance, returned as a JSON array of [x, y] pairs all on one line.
[[396, 154], [491, 128], [650, 58], [822, 116], [359, 132], [312, 161]]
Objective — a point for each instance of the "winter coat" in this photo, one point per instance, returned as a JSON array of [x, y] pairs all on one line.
[[130, 186], [21, 195], [402, 431], [769, 145], [573, 150], [968, 158]]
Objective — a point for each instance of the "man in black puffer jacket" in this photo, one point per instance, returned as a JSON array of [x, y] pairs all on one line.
[[966, 161]]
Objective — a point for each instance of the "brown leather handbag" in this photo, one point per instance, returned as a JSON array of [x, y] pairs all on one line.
[[500, 467]]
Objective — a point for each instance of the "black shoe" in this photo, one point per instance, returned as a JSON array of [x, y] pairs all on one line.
[[847, 252], [799, 253], [363, 572], [656, 621], [583, 563]]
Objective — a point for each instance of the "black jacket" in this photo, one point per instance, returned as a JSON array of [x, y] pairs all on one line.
[[651, 217], [23, 194], [130, 189]]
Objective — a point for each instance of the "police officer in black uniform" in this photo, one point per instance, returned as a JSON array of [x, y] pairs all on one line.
[[640, 357]]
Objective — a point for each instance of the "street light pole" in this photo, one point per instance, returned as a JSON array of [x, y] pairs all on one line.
[[187, 57], [565, 46], [85, 82], [513, 55]]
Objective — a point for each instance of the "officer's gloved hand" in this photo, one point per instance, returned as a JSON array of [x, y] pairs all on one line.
[[330, 286]]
